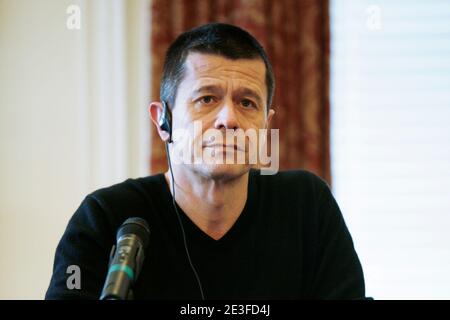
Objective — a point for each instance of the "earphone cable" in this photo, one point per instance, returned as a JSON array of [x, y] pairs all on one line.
[[181, 226]]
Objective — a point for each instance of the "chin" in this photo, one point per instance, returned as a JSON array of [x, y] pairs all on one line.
[[222, 171]]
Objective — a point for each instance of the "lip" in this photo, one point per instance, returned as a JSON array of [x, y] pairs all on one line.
[[224, 146]]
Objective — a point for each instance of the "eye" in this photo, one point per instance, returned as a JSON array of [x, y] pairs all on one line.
[[207, 100], [246, 103]]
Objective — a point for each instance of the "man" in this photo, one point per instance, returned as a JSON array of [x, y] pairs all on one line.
[[219, 230]]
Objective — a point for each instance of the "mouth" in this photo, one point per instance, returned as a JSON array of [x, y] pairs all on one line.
[[224, 147]]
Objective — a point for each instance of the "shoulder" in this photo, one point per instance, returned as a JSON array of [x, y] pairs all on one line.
[[110, 206], [292, 181], [129, 192], [299, 194]]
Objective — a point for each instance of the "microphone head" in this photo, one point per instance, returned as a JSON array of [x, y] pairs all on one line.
[[137, 226]]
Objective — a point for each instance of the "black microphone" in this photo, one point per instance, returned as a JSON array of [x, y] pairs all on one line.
[[126, 259]]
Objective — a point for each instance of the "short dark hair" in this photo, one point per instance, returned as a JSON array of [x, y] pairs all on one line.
[[214, 38]]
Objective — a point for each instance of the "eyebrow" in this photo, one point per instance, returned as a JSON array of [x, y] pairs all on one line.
[[250, 93], [208, 88], [218, 90]]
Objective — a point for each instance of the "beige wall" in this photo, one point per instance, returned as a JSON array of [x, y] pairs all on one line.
[[55, 127]]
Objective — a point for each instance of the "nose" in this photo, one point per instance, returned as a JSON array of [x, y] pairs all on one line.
[[227, 117]]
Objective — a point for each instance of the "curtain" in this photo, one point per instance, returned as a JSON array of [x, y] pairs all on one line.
[[295, 35]]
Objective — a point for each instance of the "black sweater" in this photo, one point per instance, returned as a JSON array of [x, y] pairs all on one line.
[[290, 242]]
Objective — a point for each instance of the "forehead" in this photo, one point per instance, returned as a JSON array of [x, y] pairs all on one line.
[[201, 67]]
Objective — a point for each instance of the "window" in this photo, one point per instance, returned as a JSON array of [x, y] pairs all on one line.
[[390, 140]]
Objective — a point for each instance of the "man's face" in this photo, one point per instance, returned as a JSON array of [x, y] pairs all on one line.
[[220, 94]]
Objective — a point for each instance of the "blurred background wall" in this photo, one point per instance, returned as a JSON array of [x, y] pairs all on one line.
[[72, 119]]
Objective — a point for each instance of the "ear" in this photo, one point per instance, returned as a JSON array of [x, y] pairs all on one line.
[[155, 110], [269, 118], [267, 124]]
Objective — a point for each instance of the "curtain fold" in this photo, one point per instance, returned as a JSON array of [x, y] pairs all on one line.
[[295, 35]]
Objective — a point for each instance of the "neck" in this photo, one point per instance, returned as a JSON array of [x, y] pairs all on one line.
[[213, 205]]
